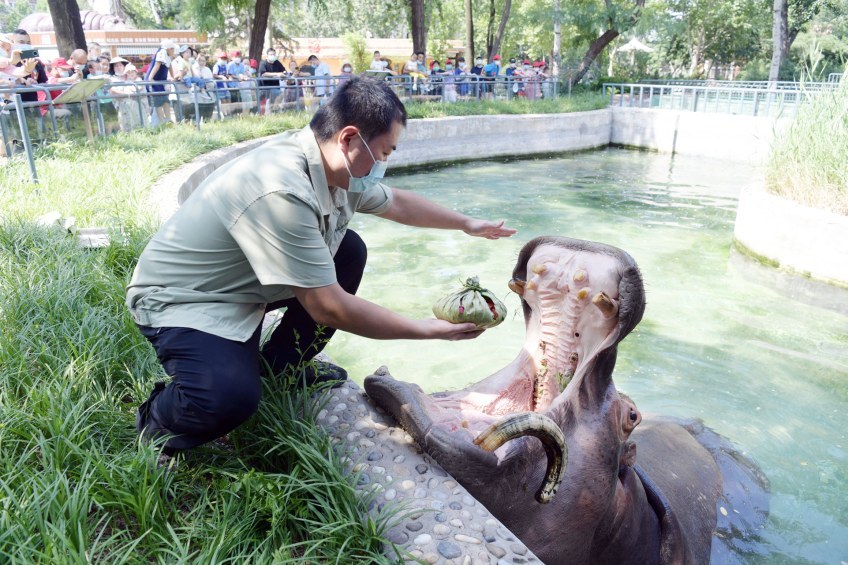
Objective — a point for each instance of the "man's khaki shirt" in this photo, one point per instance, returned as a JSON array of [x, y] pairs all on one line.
[[254, 228]]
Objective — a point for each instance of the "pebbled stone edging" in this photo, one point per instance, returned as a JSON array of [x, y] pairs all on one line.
[[438, 521]]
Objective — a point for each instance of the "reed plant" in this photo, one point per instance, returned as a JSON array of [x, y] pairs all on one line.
[[75, 483], [808, 159]]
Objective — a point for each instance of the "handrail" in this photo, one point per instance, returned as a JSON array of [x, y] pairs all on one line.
[[217, 98], [753, 101]]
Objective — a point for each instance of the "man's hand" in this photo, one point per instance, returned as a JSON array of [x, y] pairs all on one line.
[[488, 229], [452, 332]]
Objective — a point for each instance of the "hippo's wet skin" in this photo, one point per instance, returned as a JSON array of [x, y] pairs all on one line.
[[580, 299]]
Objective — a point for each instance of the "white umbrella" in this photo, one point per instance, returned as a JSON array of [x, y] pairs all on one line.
[[632, 46]]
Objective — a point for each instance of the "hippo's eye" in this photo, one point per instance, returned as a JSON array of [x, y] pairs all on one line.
[[633, 416]]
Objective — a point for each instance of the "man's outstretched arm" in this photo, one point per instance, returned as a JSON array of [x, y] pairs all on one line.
[[412, 209]]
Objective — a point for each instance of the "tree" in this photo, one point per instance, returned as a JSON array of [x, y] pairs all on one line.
[[417, 25], [493, 42], [616, 21], [67, 25], [779, 34], [261, 13], [469, 30]]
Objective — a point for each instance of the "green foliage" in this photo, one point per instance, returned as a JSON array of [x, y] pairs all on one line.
[[12, 13], [356, 52], [807, 162]]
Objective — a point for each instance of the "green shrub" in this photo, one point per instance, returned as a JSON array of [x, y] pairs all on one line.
[[807, 162]]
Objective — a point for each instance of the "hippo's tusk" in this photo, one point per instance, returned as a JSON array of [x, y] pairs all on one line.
[[536, 425], [517, 286], [605, 304]]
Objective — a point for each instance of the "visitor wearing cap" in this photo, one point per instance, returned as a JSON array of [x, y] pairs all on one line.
[[126, 96], [160, 71], [180, 67], [236, 72], [61, 72], [490, 73]]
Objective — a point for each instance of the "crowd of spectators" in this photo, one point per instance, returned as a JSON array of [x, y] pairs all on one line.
[[179, 78]]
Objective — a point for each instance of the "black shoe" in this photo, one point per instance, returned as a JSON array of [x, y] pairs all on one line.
[[321, 372]]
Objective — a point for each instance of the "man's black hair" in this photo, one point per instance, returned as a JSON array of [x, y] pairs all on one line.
[[367, 103], [420, 53], [269, 50], [376, 52], [312, 57], [20, 31]]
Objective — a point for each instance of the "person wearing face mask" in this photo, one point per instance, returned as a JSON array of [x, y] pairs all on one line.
[[531, 81], [347, 73], [435, 78], [271, 70], [270, 231], [236, 72], [449, 81]]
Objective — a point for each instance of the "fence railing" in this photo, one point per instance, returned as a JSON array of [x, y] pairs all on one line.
[[743, 84], [758, 101], [123, 106]]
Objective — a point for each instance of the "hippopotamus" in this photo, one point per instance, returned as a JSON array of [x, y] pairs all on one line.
[[558, 454]]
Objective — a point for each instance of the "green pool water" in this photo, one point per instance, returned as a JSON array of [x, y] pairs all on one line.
[[761, 357]]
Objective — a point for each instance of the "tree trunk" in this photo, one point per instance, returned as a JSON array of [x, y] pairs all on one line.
[[469, 31], [67, 25], [496, 43], [261, 13], [779, 35], [419, 30], [490, 29], [154, 11], [592, 53], [557, 54]]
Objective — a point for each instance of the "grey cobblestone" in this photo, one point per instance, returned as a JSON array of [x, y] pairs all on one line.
[[438, 521]]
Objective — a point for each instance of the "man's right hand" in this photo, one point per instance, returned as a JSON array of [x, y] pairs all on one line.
[[442, 329]]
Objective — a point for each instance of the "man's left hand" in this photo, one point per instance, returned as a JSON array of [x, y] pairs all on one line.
[[488, 229]]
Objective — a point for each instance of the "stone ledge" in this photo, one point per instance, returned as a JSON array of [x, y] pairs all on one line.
[[437, 520], [795, 238]]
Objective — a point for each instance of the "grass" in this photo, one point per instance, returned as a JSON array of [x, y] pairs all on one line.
[[75, 484], [808, 161]]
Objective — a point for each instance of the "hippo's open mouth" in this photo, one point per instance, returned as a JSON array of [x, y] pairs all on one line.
[[579, 299]]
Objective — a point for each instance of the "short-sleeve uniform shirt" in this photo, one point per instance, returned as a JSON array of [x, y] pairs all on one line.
[[254, 228]]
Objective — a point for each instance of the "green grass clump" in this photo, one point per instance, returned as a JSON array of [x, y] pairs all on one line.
[[76, 486], [808, 161], [516, 106]]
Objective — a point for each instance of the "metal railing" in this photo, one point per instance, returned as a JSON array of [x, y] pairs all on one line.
[[123, 106], [743, 84], [757, 101], [835, 77]]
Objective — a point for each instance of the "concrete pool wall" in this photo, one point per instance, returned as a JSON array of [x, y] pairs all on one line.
[[727, 137]]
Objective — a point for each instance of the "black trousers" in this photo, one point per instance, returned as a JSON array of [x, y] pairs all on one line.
[[215, 382]]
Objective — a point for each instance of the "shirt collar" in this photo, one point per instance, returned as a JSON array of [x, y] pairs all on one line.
[[328, 198]]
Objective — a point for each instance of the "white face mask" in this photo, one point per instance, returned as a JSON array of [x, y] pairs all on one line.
[[436, 67], [346, 70], [64, 74], [237, 60], [462, 65], [374, 176], [272, 58]]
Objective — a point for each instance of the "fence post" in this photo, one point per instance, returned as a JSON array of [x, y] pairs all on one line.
[[19, 107], [196, 105]]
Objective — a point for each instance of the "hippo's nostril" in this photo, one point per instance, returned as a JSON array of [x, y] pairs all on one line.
[[633, 416]]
